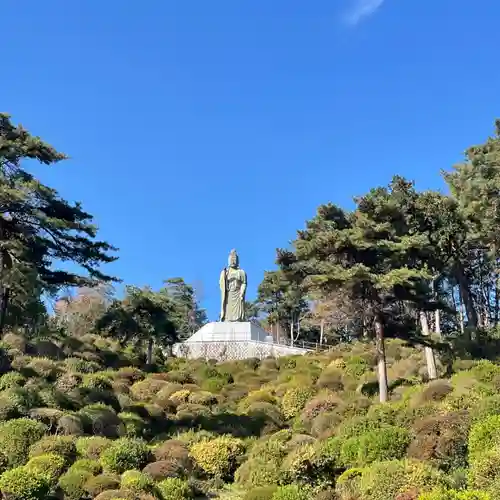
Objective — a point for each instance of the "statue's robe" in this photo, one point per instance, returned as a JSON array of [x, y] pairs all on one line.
[[232, 283]]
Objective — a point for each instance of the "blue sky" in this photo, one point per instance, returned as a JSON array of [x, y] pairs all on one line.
[[195, 127]]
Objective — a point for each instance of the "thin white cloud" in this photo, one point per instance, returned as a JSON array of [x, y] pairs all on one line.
[[362, 9]]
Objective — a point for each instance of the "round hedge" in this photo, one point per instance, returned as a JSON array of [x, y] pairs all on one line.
[[125, 454], [22, 483]]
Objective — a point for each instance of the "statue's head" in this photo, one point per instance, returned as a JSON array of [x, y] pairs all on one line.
[[233, 260]]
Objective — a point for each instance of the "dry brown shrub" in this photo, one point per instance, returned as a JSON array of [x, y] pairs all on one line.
[[321, 403], [113, 494], [173, 450], [331, 378], [162, 469], [147, 389], [441, 439], [436, 390]]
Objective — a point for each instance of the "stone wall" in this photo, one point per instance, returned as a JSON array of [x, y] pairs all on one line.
[[225, 351]]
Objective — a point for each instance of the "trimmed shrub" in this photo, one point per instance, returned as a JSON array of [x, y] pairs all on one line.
[[72, 483], [63, 446], [16, 437], [294, 401], [137, 482], [103, 482], [135, 426], [484, 435], [50, 465], [163, 469], [174, 489], [102, 421], [22, 483], [125, 454], [292, 492], [331, 378], [203, 398], [262, 493], [92, 446], [11, 379], [383, 480], [455, 495], [321, 403], [174, 450], [87, 465], [218, 457], [71, 425], [441, 439], [147, 390], [45, 368], [387, 443], [484, 470]]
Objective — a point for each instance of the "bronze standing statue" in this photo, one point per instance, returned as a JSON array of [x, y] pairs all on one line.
[[233, 285]]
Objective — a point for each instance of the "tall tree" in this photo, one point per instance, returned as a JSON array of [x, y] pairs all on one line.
[[38, 228], [143, 316], [187, 314], [369, 256]]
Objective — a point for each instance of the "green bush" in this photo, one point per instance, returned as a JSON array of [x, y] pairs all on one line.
[[294, 401], [92, 446], [16, 437], [87, 465], [484, 435], [387, 443], [71, 425], [484, 469], [137, 481], [102, 421], [11, 379], [386, 480], [125, 454], [72, 483], [135, 426], [174, 489], [262, 493], [22, 483], [218, 457], [103, 482], [455, 495], [63, 446], [291, 492], [50, 465]]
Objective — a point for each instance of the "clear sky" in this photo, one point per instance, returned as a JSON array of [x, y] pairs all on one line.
[[198, 126]]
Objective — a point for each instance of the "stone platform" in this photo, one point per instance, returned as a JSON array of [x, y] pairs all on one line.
[[228, 340]]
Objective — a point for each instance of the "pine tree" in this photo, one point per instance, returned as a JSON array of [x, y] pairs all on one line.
[[38, 228], [369, 256], [143, 316]]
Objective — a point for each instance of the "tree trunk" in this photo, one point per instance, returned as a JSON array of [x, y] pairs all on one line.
[[429, 352], [382, 366], [321, 331], [466, 295], [291, 332], [149, 354]]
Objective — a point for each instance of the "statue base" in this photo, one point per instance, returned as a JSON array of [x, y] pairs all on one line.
[[223, 341], [230, 331]]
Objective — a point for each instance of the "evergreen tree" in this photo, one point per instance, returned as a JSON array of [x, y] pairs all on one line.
[[369, 256], [38, 228], [143, 316], [186, 314]]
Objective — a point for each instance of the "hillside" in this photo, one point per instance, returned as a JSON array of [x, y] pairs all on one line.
[[82, 420]]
